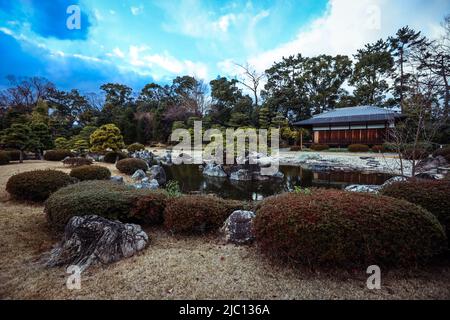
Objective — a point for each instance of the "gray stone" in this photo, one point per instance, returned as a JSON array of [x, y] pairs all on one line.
[[157, 172], [394, 180], [430, 175], [431, 163], [238, 227], [241, 175], [363, 188], [138, 175], [146, 183], [117, 179], [214, 170], [92, 239]]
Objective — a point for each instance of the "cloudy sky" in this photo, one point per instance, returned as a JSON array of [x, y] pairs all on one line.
[[136, 42]]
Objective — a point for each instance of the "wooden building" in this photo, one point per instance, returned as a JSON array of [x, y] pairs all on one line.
[[344, 126]]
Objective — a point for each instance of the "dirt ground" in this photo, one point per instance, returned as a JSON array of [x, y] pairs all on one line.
[[180, 267]]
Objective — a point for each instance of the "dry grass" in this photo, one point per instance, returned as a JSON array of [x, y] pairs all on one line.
[[180, 268]]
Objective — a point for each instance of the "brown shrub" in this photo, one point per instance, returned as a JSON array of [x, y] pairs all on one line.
[[358, 148], [130, 165], [90, 172]]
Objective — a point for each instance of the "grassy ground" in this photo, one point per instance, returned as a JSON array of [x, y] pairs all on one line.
[[180, 267]]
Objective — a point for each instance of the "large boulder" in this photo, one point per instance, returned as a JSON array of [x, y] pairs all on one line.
[[214, 170], [238, 227], [146, 183], [117, 179], [157, 172], [430, 163], [93, 239], [394, 180], [138, 175], [145, 155], [241, 175]]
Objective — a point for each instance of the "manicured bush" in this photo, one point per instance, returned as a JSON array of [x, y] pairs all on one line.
[[14, 155], [334, 227], [358, 148], [150, 208], [431, 195], [77, 161], [319, 147], [135, 147], [103, 198], [90, 173], [193, 214], [37, 185], [445, 152], [111, 157], [4, 158], [130, 165], [57, 155], [378, 149]]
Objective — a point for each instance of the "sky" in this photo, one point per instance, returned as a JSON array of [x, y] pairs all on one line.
[[137, 42]]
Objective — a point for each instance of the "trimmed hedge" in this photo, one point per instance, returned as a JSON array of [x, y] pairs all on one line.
[[378, 148], [135, 147], [4, 158], [194, 214], [431, 195], [110, 157], [57, 155], [150, 208], [103, 198], [77, 161], [358, 148], [14, 155], [90, 173], [333, 227], [130, 165], [319, 147], [37, 185]]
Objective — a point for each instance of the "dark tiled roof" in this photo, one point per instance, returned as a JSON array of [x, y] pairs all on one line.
[[351, 114]]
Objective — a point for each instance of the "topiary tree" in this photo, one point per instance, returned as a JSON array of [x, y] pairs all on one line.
[[41, 138], [80, 145], [106, 137], [18, 136], [62, 143]]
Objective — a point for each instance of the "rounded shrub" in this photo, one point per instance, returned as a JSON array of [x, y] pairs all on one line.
[[14, 155], [378, 149], [333, 227], [90, 173], [37, 185], [4, 158], [57, 155], [193, 214], [150, 208], [111, 157], [358, 148], [130, 165], [319, 147], [103, 198], [77, 161], [135, 147], [429, 194]]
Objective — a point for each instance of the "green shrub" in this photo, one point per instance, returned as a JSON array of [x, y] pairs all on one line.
[[193, 214], [173, 188], [135, 147], [445, 152], [57, 155], [390, 147], [431, 195], [90, 173], [333, 227], [130, 165], [77, 161], [150, 208], [103, 198], [37, 185], [319, 147], [378, 149], [4, 158], [358, 148], [111, 157]]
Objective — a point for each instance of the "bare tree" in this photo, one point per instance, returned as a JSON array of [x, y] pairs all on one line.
[[251, 79]]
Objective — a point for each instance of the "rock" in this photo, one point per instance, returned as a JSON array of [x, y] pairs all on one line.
[[138, 175], [146, 183], [214, 170], [238, 227], [157, 172], [92, 239], [118, 179], [145, 155], [367, 158], [431, 163], [393, 180], [363, 188], [430, 175], [241, 175]]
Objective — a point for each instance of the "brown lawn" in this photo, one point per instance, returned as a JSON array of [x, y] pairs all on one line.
[[180, 267]]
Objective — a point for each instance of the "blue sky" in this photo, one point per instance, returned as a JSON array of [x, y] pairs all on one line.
[[136, 42]]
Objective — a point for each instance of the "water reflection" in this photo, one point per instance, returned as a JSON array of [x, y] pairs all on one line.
[[191, 179]]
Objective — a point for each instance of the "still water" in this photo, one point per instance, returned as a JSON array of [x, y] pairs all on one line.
[[191, 179]]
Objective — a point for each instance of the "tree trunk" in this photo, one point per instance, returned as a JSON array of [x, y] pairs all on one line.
[[21, 156]]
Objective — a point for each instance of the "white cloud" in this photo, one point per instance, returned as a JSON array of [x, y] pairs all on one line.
[[118, 53], [136, 10], [224, 22]]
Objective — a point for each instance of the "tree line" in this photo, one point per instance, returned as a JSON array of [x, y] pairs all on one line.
[[391, 72]]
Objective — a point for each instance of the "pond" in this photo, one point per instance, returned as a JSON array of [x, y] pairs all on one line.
[[191, 179]]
